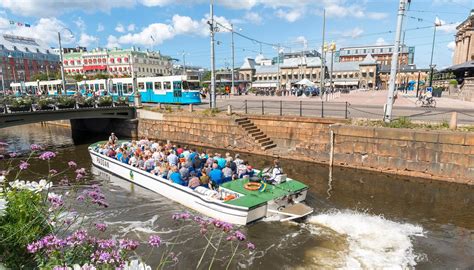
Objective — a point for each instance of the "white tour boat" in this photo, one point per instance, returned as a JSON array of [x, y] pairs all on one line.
[[236, 202]]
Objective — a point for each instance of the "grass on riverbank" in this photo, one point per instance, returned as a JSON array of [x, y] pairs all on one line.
[[405, 122]]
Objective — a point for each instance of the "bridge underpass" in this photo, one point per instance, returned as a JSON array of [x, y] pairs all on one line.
[[84, 121]]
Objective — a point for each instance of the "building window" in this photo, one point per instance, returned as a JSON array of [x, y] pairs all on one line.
[[356, 51]]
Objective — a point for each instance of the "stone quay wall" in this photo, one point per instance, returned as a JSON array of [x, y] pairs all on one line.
[[441, 155]]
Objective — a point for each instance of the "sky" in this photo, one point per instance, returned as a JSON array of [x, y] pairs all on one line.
[[178, 28]]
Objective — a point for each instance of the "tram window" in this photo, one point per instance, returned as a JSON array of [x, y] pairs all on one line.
[[191, 85], [141, 85], [158, 86], [127, 88], [149, 86], [177, 85], [114, 88], [101, 86], [167, 85]]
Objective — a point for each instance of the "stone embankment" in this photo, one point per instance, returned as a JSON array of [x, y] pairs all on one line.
[[441, 155]]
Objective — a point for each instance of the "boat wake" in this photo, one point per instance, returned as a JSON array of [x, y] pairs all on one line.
[[373, 241]]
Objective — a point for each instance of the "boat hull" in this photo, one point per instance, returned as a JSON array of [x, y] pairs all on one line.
[[207, 206]]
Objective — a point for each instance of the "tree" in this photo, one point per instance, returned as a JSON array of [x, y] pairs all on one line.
[[101, 76], [206, 76], [40, 77]]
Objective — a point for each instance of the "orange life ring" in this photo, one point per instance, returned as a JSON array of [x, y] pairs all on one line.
[[252, 186]]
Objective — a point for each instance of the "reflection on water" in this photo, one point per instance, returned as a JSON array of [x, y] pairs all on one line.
[[372, 220]]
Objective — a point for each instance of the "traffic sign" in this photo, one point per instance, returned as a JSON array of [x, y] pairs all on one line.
[[429, 89]]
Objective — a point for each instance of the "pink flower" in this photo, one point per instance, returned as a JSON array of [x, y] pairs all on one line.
[[47, 155], [154, 241], [101, 227], [35, 147], [72, 164], [23, 165], [250, 246]]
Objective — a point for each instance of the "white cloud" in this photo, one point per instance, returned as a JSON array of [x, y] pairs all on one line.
[[290, 15], [131, 27], [377, 15], [451, 45], [353, 33], [46, 8], [186, 25], [80, 24], [112, 42], [120, 28], [4, 23], [380, 41], [45, 30], [100, 27], [159, 31], [302, 40], [447, 28], [253, 17], [86, 40]]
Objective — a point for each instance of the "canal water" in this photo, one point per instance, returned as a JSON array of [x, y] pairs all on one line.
[[362, 220]]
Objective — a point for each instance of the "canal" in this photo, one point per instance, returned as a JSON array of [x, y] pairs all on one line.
[[362, 219]]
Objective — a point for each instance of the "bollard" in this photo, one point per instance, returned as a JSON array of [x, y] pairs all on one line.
[[191, 109], [229, 109], [159, 106], [453, 124]]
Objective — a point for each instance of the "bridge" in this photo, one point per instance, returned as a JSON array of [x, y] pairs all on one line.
[[118, 119]]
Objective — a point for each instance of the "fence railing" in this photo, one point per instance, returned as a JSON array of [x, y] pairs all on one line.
[[299, 108]]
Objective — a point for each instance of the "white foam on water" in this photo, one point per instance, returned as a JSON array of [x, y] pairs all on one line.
[[374, 242]]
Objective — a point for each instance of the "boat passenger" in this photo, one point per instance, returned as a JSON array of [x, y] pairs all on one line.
[[228, 158], [113, 139], [227, 173], [149, 164], [242, 169], [192, 155], [204, 179], [216, 175], [185, 153], [179, 150], [194, 182], [175, 177], [133, 161], [276, 170], [184, 171], [220, 161], [172, 159]]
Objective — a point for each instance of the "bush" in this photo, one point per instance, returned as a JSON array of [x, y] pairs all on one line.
[[105, 101], [45, 103], [121, 101], [21, 103], [211, 112], [402, 122], [66, 102], [85, 101]]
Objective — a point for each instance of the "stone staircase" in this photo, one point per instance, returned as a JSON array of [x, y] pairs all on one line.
[[260, 138]]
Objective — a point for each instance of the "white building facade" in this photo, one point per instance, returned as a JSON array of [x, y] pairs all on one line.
[[117, 63]]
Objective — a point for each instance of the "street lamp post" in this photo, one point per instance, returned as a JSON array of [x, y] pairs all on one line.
[[3, 81], [136, 95], [213, 60], [432, 51], [61, 58], [233, 59]]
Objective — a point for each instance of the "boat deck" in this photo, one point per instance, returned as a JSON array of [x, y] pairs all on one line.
[[254, 198]]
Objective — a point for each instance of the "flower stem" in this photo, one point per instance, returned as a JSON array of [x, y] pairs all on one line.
[[233, 254]]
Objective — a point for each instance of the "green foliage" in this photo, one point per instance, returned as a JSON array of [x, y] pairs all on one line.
[[85, 101], [168, 108], [206, 76], [101, 76], [122, 101], [210, 112], [21, 102], [45, 102], [23, 221], [402, 122], [78, 77], [453, 82], [40, 77], [66, 101], [105, 101]]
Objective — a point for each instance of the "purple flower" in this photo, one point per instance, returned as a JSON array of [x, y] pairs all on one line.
[[183, 216], [250, 246], [12, 154], [35, 147], [32, 248], [154, 241], [47, 155], [72, 164], [55, 200], [80, 198], [53, 171], [101, 227], [239, 235], [23, 165], [231, 238], [77, 238], [128, 244], [3, 144], [106, 243], [80, 173]]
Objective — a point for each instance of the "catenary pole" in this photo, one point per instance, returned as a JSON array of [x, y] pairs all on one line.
[[322, 56], [233, 60], [61, 58], [393, 67], [213, 60]]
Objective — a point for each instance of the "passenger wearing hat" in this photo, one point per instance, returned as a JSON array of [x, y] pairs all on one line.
[[113, 139]]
